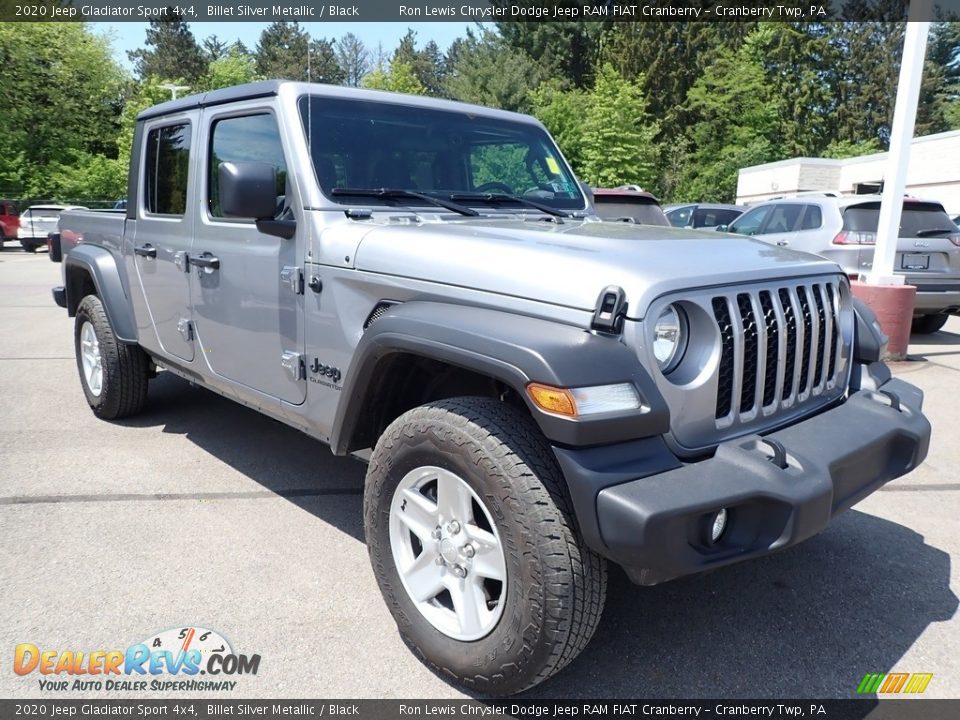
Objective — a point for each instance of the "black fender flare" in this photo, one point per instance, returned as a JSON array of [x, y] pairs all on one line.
[[101, 266], [869, 340], [513, 349]]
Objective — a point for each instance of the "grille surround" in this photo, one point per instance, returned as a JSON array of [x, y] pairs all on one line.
[[758, 362]]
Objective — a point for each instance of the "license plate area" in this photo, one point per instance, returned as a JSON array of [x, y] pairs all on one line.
[[915, 261]]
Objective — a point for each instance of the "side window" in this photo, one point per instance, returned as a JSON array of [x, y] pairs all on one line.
[[250, 138], [783, 219], [812, 218], [679, 217], [749, 223], [166, 169]]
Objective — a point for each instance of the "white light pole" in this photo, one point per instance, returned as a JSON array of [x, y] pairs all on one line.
[[174, 89], [901, 136]]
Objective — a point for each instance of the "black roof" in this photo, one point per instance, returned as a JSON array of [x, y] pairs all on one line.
[[249, 91]]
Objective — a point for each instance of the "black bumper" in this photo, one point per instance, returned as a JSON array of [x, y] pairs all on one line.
[[657, 526]]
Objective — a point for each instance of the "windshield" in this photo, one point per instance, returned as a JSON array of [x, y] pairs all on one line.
[[362, 145]]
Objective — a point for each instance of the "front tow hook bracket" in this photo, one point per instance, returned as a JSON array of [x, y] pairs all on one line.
[[894, 399], [779, 457]]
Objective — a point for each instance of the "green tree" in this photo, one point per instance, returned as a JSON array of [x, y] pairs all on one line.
[[736, 124], [399, 77], [282, 52], [324, 65], [61, 95], [353, 58], [566, 50], [618, 133], [562, 112], [171, 52], [234, 67], [486, 71], [428, 64]]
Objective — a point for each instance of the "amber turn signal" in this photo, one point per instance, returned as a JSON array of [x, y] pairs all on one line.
[[552, 399]]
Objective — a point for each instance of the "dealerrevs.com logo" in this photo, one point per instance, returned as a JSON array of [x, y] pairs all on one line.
[[172, 660]]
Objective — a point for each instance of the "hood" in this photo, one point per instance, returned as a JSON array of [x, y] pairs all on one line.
[[569, 264]]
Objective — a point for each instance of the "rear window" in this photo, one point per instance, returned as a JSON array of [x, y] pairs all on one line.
[[642, 211], [916, 218], [166, 168]]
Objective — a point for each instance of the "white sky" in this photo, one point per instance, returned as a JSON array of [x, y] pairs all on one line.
[[130, 36]]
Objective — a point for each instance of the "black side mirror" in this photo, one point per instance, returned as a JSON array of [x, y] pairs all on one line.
[[249, 190]]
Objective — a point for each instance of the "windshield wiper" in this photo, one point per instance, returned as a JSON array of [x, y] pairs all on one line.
[[503, 197], [930, 232], [386, 193]]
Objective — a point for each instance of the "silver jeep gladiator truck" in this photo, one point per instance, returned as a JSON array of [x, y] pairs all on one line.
[[423, 284]]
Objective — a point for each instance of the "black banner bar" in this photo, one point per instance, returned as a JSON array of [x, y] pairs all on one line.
[[607, 11], [900, 709]]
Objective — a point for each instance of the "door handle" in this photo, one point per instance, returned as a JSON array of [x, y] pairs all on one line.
[[782, 243], [206, 260], [147, 250]]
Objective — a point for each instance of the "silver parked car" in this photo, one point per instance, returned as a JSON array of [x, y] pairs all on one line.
[[37, 221], [844, 229]]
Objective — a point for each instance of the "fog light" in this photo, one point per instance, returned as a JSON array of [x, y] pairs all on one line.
[[718, 525]]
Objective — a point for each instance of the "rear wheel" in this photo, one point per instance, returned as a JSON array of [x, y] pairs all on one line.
[[474, 546], [927, 324], [113, 374], [29, 245]]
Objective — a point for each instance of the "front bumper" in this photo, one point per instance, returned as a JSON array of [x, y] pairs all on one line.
[[656, 526]]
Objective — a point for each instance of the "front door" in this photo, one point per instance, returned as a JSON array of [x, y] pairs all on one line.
[[162, 236], [247, 297]]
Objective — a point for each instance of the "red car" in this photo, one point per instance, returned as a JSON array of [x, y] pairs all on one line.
[[9, 221]]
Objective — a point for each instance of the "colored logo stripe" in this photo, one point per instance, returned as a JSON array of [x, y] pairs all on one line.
[[918, 682], [889, 683]]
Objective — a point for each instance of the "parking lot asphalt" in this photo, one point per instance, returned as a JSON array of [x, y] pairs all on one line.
[[200, 512]]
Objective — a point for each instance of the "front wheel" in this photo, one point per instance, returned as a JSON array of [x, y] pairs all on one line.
[[474, 546], [113, 374]]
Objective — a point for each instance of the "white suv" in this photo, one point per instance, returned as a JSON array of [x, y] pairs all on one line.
[[844, 229]]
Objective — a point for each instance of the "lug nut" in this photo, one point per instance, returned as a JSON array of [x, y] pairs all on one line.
[[459, 571], [436, 533], [453, 528], [468, 551]]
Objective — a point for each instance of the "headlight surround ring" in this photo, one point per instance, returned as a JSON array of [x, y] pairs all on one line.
[[670, 336]]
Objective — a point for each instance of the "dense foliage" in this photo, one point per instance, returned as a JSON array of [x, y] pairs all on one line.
[[678, 108]]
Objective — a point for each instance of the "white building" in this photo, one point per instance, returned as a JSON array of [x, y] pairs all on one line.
[[933, 174]]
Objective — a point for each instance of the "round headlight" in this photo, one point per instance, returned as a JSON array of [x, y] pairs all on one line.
[[669, 338]]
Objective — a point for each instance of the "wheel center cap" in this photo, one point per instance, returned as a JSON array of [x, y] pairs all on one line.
[[448, 550]]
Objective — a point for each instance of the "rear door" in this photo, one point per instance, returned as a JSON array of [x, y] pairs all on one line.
[[248, 295], [163, 232]]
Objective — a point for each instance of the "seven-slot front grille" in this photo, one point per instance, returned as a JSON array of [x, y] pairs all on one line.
[[778, 347]]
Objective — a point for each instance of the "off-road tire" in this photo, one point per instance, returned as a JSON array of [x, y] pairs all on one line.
[[125, 367], [928, 324], [29, 246], [556, 585]]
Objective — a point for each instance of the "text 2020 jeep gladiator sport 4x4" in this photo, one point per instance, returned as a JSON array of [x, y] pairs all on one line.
[[539, 391]]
